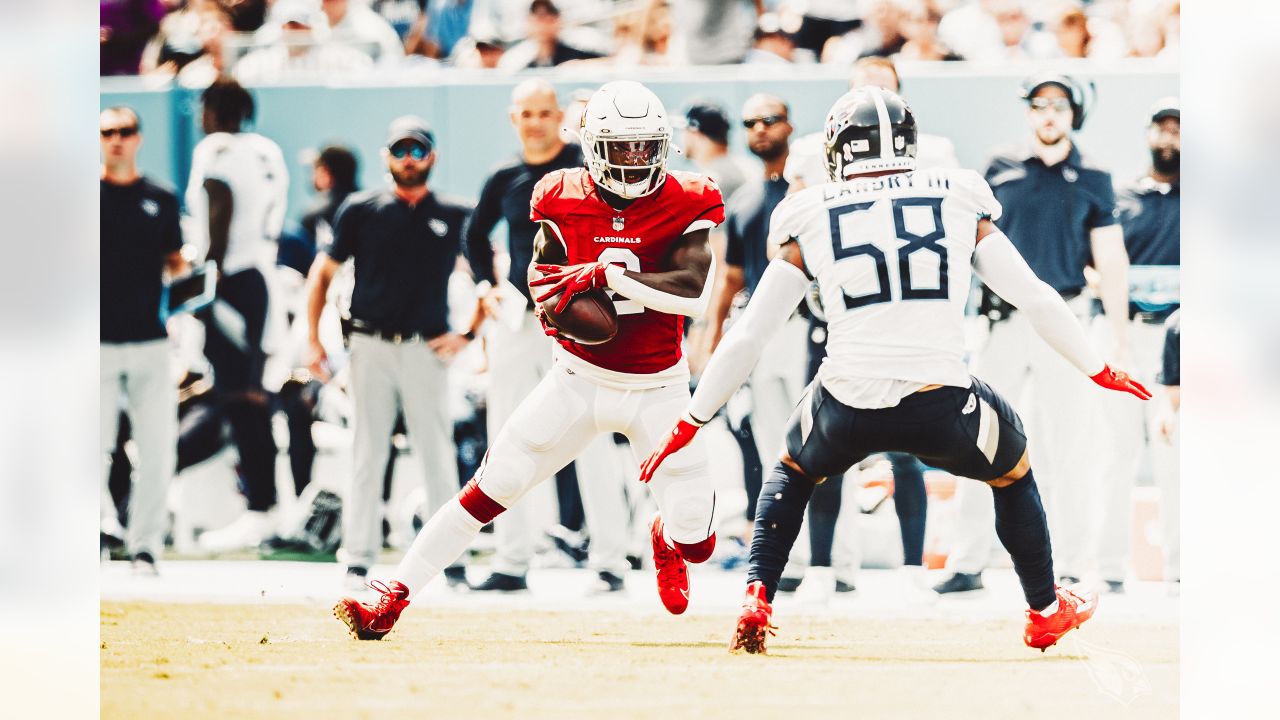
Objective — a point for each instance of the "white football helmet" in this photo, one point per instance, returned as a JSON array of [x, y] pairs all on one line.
[[625, 136]]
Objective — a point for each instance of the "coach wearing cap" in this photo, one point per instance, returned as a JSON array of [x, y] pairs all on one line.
[[405, 241], [1150, 213], [1059, 211], [140, 241], [706, 143]]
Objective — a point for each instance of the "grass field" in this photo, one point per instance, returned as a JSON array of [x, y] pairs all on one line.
[[249, 661]]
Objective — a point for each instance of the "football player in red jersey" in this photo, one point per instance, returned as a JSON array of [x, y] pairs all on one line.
[[626, 224]]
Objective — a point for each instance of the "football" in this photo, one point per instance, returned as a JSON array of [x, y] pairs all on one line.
[[588, 319]]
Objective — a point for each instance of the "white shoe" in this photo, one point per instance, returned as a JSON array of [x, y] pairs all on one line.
[[248, 531], [913, 584], [818, 588]]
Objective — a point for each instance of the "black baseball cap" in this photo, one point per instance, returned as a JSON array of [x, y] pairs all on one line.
[[1168, 107], [708, 118], [411, 127], [489, 39]]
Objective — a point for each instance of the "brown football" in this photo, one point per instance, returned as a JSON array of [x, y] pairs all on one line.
[[588, 319]]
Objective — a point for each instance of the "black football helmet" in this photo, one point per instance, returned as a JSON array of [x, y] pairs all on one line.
[[1081, 95], [869, 129]]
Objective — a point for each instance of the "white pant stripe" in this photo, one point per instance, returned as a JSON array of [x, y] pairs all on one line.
[[988, 431]]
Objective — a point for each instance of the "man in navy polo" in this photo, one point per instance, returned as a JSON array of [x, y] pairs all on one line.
[[141, 242], [405, 241], [1059, 211], [1150, 213]]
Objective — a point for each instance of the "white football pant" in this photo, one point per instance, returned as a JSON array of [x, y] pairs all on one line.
[[518, 359]]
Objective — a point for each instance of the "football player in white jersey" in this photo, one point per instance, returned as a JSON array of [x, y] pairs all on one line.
[[236, 197], [892, 250]]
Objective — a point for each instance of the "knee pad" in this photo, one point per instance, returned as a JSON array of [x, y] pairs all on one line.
[[688, 510], [505, 476]]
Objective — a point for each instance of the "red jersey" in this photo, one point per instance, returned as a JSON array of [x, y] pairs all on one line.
[[638, 238]]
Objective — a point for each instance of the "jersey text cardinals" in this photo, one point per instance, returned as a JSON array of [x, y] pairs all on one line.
[[639, 238]]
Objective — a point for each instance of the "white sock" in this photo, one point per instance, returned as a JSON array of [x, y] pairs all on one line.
[[1050, 609], [445, 537]]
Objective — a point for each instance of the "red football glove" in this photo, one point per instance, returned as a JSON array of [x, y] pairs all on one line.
[[1121, 382], [679, 436], [541, 313], [571, 279]]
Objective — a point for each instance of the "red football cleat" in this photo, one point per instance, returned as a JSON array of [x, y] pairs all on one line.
[[673, 573], [1074, 608], [755, 623], [373, 622]]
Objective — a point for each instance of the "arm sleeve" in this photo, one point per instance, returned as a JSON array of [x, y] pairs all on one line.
[[1000, 266], [343, 244], [478, 247], [781, 288], [655, 299]]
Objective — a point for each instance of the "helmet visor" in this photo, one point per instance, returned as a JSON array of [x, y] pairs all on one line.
[[632, 161]]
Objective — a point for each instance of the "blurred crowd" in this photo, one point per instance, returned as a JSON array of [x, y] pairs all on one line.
[[271, 388], [260, 41]]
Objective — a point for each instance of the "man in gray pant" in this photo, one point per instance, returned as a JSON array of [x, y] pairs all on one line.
[[405, 241], [140, 240]]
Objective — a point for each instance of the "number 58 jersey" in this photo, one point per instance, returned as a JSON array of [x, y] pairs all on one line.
[[892, 259]]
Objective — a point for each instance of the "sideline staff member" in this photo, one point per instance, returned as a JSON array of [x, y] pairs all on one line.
[[405, 241], [1150, 213], [140, 239], [1059, 211]]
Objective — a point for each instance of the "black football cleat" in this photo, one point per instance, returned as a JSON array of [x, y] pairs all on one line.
[[456, 577], [789, 585], [502, 582], [959, 582]]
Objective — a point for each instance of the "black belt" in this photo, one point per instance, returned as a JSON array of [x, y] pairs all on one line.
[[393, 336]]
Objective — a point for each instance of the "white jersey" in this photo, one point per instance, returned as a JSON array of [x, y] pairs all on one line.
[[891, 256], [253, 167]]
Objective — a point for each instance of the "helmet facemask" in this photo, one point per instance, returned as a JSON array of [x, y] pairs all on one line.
[[629, 167]]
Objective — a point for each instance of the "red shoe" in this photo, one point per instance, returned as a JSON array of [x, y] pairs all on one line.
[[673, 573], [755, 623], [373, 622], [1074, 608]]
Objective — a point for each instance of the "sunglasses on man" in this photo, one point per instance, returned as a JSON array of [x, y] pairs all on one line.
[[124, 132], [768, 120], [1058, 104], [410, 149]]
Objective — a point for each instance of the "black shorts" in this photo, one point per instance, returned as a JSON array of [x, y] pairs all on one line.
[[970, 432]]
